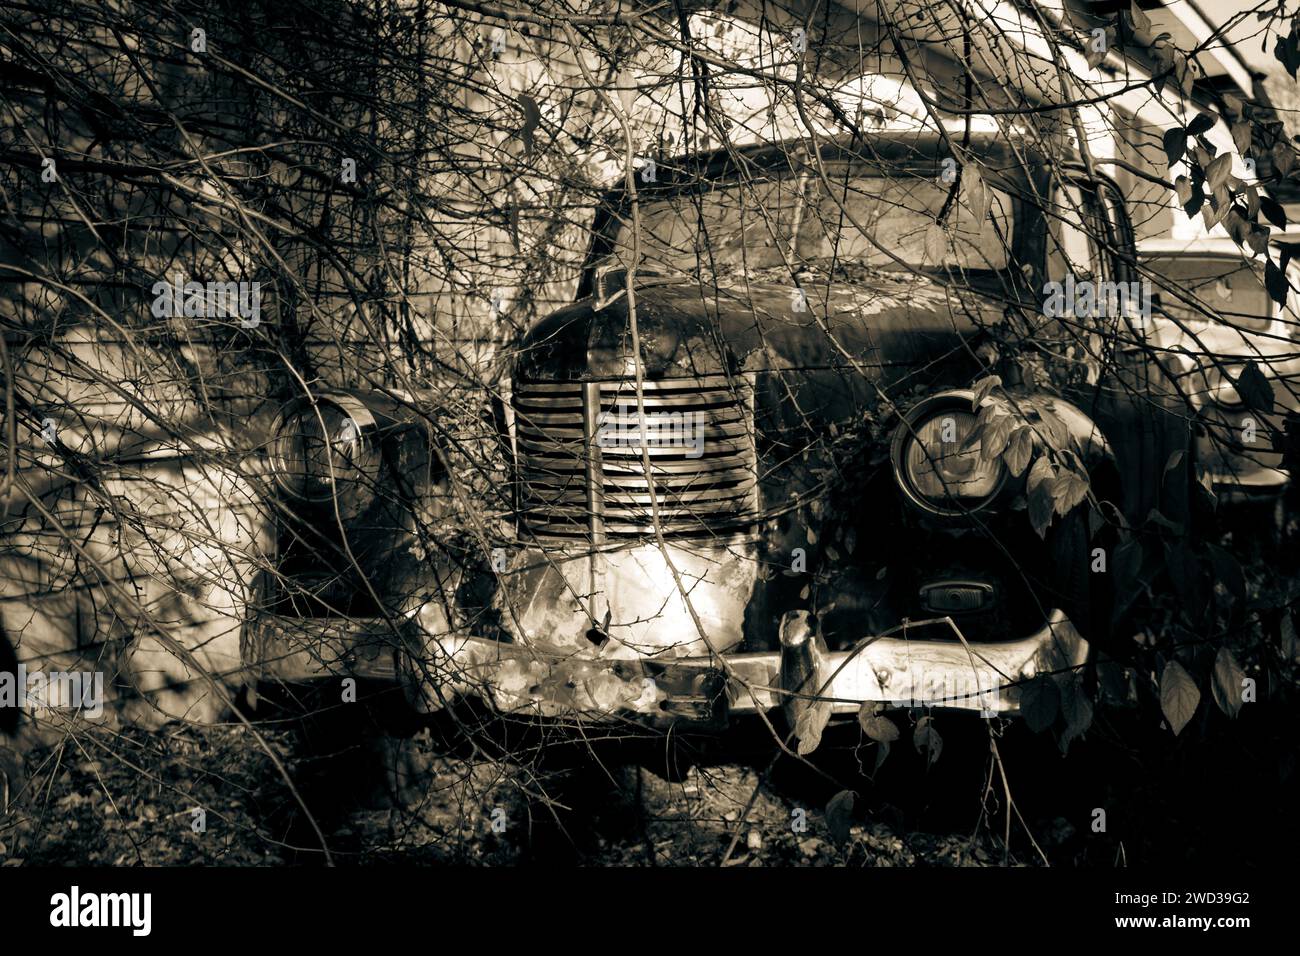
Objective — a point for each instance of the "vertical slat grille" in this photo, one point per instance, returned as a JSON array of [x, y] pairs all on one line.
[[702, 463]]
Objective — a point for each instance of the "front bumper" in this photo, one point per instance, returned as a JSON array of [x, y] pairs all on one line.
[[1249, 484], [918, 667]]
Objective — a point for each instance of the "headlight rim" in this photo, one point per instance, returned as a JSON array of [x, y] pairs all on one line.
[[928, 408], [366, 464]]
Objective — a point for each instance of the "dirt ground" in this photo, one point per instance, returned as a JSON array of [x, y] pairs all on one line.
[[194, 796]]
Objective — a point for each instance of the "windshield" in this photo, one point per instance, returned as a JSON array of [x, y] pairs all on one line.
[[1229, 287], [877, 221]]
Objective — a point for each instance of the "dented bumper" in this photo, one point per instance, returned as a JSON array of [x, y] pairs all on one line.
[[917, 668]]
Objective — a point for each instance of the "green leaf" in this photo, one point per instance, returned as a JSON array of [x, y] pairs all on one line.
[[1175, 142], [1040, 702], [927, 740], [1226, 683], [1254, 389], [839, 815], [1178, 696]]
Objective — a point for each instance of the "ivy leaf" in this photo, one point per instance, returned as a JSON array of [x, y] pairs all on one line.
[[882, 751], [1237, 226], [1290, 643], [1287, 52], [1094, 56], [839, 815], [1226, 683], [880, 729], [974, 194], [1255, 389], [810, 723], [1283, 157], [1040, 702], [1069, 491], [1200, 123], [1186, 71], [1039, 490], [1178, 696], [626, 90], [1214, 211], [1185, 572], [1141, 22], [1273, 212], [927, 740], [936, 244], [1258, 239], [1286, 251], [1252, 202], [1216, 174], [1175, 141], [1128, 576], [1183, 187], [994, 440], [983, 387], [1241, 135], [1019, 450], [1164, 57], [1076, 708]]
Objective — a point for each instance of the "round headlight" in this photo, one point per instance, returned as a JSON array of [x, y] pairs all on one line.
[[324, 448], [934, 464]]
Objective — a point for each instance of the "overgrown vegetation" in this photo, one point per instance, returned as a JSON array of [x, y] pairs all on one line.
[[406, 188]]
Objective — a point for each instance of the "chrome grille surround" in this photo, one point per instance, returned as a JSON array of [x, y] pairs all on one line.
[[580, 461]]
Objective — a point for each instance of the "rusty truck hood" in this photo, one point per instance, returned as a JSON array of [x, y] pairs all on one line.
[[882, 323]]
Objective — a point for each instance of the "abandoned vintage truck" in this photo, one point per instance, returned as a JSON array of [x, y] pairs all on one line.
[[762, 464]]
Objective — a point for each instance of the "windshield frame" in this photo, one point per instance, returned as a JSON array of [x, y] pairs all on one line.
[[909, 153]]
